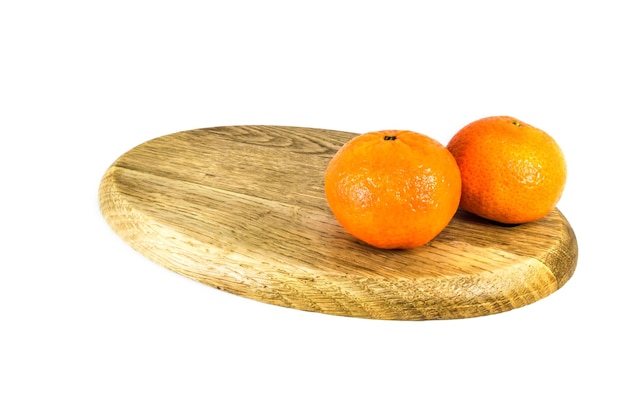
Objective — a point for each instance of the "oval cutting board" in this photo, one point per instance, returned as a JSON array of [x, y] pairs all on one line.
[[242, 209]]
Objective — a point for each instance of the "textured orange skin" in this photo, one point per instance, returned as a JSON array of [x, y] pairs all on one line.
[[395, 193], [511, 171]]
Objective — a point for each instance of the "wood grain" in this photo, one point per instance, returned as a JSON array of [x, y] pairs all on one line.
[[242, 209]]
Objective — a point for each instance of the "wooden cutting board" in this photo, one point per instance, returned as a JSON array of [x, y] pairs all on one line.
[[242, 209]]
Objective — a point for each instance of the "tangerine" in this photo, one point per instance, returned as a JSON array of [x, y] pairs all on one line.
[[393, 189], [511, 172]]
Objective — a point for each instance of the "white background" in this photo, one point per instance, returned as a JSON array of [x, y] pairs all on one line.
[[90, 327]]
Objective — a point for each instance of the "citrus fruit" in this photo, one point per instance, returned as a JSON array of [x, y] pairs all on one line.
[[511, 172], [393, 189]]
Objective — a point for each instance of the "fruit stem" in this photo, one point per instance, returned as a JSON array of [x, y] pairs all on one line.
[[389, 138]]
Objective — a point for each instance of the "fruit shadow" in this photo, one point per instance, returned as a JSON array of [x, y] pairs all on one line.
[[468, 217]]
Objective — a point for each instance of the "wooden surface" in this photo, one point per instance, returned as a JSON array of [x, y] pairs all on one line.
[[242, 209]]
